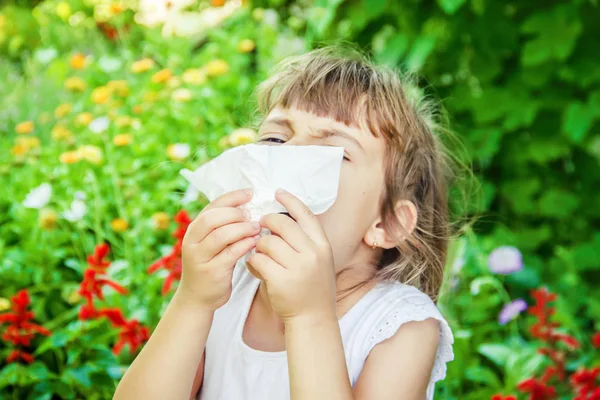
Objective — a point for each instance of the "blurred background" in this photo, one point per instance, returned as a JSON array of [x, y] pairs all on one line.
[[102, 102]]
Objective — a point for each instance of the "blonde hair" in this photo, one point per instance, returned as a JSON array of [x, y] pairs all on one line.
[[342, 83]]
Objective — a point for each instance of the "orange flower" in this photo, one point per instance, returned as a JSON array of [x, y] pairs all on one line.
[[62, 110], [90, 153], [123, 139], [78, 61], [84, 119], [142, 65], [101, 94], [246, 46], [60, 132], [70, 157], [162, 76], [119, 225], [116, 9], [75, 84], [25, 127], [216, 68], [161, 220], [137, 109], [24, 144], [217, 3]]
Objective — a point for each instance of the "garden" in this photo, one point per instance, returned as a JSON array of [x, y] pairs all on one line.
[[103, 102]]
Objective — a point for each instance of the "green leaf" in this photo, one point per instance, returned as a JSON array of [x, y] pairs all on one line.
[[419, 52], [79, 376], [482, 375], [586, 255], [451, 6], [558, 203], [497, 353], [578, 120]]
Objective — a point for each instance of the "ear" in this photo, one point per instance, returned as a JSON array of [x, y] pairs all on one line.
[[407, 216]]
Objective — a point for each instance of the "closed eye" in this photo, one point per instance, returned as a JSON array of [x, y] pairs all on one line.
[[281, 141]]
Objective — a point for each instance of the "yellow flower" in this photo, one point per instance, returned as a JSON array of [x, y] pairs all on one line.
[[173, 82], [242, 136], [119, 225], [25, 127], [182, 95], [137, 109], [62, 110], [116, 9], [123, 139], [123, 121], [194, 76], [78, 61], [74, 297], [224, 142], [60, 132], [142, 65], [100, 95], [121, 88], [70, 157], [90, 153], [162, 76], [28, 142], [63, 10], [216, 68], [161, 220], [246, 46], [4, 304], [75, 84], [84, 119], [48, 219], [150, 97]]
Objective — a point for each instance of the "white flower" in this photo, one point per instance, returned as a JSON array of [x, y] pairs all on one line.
[[154, 12], [99, 125], [109, 64], [178, 151], [79, 195], [191, 194], [76, 212], [44, 56], [38, 197]]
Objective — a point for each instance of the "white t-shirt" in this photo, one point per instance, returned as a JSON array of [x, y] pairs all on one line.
[[235, 371]]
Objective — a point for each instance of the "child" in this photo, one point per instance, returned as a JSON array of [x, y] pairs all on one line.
[[334, 306]]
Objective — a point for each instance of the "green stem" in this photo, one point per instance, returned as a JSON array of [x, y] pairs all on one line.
[[61, 318]]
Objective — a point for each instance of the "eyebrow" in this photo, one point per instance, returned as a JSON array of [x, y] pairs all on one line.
[[325, 133]]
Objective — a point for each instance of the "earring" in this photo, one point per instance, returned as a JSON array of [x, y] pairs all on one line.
[[374, 245]]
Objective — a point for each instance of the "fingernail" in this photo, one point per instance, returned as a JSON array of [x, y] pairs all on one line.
[[255, 225], [280, 191], [247, 215]]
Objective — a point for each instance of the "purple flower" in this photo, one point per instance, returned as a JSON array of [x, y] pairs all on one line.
[[505, 260], [511, 310]]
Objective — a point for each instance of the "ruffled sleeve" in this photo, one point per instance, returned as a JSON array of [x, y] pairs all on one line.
[[410, 304]]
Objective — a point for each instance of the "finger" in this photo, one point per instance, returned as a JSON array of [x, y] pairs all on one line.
[[226, 235], [232, 253], [302, 214], [231, 199], [276, 248], [289, 230], [268, 269], [209, 220]]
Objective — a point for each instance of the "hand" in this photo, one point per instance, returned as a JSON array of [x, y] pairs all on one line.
[[219, 236], [296, 263]]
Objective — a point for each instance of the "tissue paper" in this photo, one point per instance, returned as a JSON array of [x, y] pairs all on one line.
[[311, 173]]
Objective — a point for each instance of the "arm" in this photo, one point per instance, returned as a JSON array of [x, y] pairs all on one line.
[[316, 360], [400, 367], [166, 366]]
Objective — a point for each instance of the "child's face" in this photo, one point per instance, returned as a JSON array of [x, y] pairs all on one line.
[[350, 222]]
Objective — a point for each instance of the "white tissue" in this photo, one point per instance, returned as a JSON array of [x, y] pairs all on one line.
[[311, 173]]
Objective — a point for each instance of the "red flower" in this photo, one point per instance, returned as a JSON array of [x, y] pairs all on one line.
[[114, 315], [538, 390], [132, 333], [172, 261], [92, 285], [585, 381], [501, 397], [596, 340], [21, 330], [97, 260]]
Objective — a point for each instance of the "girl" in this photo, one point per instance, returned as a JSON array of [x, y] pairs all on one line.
[[334, 306]]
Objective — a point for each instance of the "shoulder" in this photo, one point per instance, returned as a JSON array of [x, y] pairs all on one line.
[[408, 318]]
